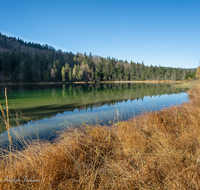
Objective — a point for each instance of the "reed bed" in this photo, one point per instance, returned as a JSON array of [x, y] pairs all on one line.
[[158, 150]]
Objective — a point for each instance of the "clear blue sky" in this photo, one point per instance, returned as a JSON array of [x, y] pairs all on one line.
[[158, 32]]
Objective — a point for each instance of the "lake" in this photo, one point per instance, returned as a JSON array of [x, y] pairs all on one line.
[[40, 111]]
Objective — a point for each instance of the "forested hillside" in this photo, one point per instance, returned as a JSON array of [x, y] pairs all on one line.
[[31, 62]]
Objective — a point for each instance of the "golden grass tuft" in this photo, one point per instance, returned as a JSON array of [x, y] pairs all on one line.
[[159, 150]]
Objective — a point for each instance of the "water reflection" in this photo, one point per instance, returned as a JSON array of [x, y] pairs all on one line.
[[58, 106], [38, 102]]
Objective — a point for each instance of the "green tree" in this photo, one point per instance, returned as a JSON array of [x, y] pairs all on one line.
[[74, 72], [39, 75], [70, 74], [174, 75], [63, 71], [78, 73], [14, 75]]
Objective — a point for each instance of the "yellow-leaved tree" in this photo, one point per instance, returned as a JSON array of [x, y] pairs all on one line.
[[197, 75]]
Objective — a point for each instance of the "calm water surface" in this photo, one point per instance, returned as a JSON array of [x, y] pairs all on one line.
[[51, 108]]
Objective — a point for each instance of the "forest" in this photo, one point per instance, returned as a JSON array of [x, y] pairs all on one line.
[[28, 62]]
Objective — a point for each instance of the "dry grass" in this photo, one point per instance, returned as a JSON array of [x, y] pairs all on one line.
[[159, 150], [188, 84], [148, 81]]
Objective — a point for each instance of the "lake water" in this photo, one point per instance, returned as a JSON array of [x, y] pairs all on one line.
[[51, 108]]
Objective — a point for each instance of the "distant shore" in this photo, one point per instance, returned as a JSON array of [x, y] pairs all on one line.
[[102, 82]]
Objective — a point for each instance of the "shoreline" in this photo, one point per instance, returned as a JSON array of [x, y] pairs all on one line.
[[189, 84], [90, 82]]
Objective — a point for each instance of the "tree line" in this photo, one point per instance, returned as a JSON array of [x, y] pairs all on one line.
[[26, 62]]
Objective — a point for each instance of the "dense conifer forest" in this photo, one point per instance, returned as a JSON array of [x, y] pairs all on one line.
[[26, 62]]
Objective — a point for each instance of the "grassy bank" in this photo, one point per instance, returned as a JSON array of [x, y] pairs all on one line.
[[159, 150], [188, 84], [148, 81]]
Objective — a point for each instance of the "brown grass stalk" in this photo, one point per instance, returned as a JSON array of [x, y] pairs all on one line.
[[158, 150], [6, 121]]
